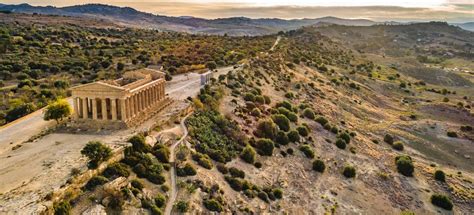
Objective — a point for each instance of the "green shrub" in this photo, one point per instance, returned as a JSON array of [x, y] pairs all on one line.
[[155, 210], [260, 100], [258, 165], [440, 176], [285, 104], [234, 183], [294, 136], [398, 145], [405, 165], [267, 100], [222, 168], [205, 162], [293, 117], [307, 151], [138, 144], [308, 113], [62, 208], [96, 152], [160, 200], [250, 97], [116, 170], [213, 205], [452, 134], [281, 138], [266, 129], [255, 112], [349, 171], [162, 153], [335, 129], [442, 201], [137, 184], [278, 193], [321, 120], [265, 147], [302, 130], [236, 173], [388, 139], [187, 170], [340, 143], [165, 188], [182, 206], [263, 196], [248, 154], [345, 136], [95, 181], [282, 121], [319, 166]]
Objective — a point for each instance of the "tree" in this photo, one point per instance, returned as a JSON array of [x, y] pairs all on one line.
[[211, 65], [248, 154], [96, 152], [57, 110], [139, 144]]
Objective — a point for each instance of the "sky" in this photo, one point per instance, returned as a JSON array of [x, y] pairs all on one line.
[[377, 10]]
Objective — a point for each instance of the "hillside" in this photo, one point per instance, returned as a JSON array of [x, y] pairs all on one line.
[[319, 120]]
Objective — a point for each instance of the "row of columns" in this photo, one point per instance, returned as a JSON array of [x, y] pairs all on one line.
[[119, 108], [144, 99]]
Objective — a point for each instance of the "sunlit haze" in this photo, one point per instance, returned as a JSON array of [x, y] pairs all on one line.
[[396, 10]]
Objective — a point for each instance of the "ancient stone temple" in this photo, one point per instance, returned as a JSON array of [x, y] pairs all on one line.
[[126, 100]]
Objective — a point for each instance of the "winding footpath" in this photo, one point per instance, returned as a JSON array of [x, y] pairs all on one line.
[[174, 188]]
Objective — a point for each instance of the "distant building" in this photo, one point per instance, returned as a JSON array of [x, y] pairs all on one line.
[[125, 100], [206, 77]]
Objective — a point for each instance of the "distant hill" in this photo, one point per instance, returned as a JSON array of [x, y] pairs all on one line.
[[466, 26], [236, 26], [132, 18]]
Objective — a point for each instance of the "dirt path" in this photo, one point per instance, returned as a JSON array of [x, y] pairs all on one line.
[[174, 188], [276, 43]]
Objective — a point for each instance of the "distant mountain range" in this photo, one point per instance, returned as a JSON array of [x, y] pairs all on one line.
[[237, 26]]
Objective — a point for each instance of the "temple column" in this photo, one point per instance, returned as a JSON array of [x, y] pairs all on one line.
[[139, 104], [135, 104], [94, 108], [130, 107], [76, 108], [85, 115], [113, 103], [148, 100], [123, 110], [103, 102]]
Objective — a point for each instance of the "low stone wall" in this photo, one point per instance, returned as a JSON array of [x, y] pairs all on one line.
[[72, 189]]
